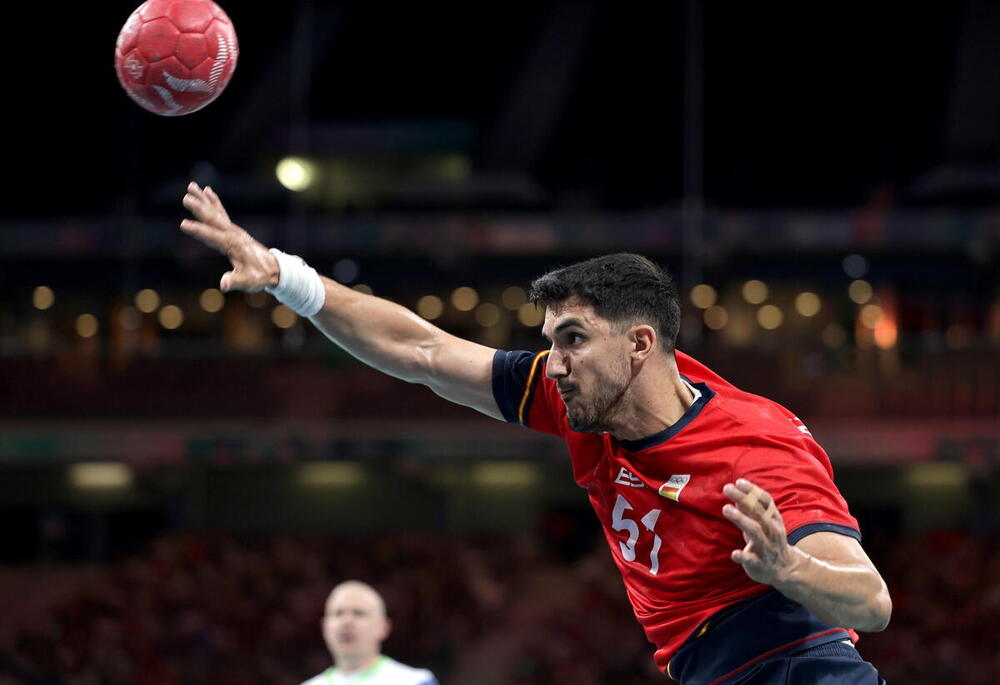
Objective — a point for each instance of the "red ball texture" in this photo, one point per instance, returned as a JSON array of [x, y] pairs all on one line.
[[173, 57]]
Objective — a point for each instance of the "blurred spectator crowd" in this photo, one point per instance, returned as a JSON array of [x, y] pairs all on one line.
[[212, 608]]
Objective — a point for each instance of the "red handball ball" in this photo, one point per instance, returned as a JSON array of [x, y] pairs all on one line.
[[173, 57]]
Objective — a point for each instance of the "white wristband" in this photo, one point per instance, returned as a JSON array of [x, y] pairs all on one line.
[[299, 286]]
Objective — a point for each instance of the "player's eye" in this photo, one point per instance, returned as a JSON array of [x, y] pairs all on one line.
[[575, 338]]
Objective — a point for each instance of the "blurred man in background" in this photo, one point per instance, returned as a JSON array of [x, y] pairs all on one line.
[[354, 626]]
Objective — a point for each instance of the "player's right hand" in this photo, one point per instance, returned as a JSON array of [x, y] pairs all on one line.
[[254, 267]]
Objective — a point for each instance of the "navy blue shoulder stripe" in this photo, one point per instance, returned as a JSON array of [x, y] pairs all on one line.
[[822, 527], [515, 377]]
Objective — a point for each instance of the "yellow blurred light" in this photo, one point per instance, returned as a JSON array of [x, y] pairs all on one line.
[[86, 325], [870, 315], [464, 299], [703, 296], [937, 476], [362, 288], [430, 307], [513, 297], [147, 300], [43, 297], [211, 300], [754, 291], [295, 173], [530, 315], [716, 317], [769, 317], [487, 315], [100, 475], [171, 317], [834, 336], [505, 474], [807, 304], [330, 474], [283, 317], [860, 291]]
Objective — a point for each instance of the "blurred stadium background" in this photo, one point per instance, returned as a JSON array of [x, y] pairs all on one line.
[[183, 476]]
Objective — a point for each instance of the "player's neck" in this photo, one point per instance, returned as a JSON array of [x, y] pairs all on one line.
[[655, 402]]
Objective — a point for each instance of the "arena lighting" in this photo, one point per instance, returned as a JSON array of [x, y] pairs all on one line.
[[716, 317], [330, 474], [530, 315], [807, 304], [171, 317], [101, 475], [754, 291], [147, 300], [295, 173], [43, 297], [211, 300], [430, 307], [86, 325], [886, 332], [870, 315], [513, 297], [283, 317], [487, 315], [505, 474], [769, 317], [464, 299], [936, 476], [703, 296], [859, 291], [855, 266]]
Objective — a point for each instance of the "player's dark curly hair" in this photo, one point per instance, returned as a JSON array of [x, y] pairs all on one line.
[[623, 288]]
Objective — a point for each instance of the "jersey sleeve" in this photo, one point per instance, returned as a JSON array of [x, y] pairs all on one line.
[[802, 486], [523, 394]]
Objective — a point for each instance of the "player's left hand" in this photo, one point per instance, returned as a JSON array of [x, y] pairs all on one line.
[[767, 556]]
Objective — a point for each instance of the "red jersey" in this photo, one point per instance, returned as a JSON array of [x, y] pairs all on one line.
[[659, 499]]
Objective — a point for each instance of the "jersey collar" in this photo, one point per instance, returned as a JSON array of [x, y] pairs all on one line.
[[670, 431]]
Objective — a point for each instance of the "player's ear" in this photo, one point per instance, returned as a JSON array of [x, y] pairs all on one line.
[[386, 628], [643, 340]]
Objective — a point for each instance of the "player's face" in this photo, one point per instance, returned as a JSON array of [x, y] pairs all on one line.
[[589, 362], [354, 624]]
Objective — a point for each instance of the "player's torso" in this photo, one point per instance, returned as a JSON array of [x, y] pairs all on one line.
[[661, 510]]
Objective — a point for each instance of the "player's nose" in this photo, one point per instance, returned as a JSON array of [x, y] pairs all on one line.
[[556, 366]]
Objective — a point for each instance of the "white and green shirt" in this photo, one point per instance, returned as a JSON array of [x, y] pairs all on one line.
[[384, 671]]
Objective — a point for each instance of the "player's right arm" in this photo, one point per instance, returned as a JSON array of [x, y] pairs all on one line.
[[380, 333]]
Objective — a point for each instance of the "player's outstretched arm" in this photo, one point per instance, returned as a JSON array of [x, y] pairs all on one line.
[[380, 333]]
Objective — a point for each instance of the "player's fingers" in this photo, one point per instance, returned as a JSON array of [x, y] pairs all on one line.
[[751, 498], [749, 526], [195, 189], [190, 201], [203, 232], [744, 556], [227, 282]]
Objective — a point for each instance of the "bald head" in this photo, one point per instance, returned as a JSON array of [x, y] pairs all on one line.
[[354, 625], [357, 590]]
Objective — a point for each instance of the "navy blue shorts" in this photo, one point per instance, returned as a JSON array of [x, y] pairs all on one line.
[[834, 663]]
